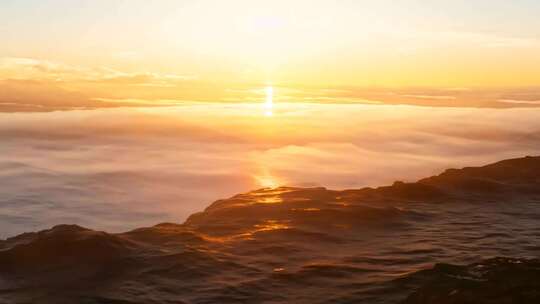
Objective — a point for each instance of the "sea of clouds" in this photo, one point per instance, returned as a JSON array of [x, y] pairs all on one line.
[[118, 169]]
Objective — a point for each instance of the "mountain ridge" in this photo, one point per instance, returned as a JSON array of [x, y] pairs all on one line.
[[242, 249]]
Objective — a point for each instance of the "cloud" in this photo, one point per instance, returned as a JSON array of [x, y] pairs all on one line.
[[110, 76], [520, 102], [18, 68], [431, 97], [28, 84], [422, 96], [43, 70], [153, 165]]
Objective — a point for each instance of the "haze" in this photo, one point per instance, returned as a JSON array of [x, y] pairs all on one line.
[[119, 169], [72, 54]]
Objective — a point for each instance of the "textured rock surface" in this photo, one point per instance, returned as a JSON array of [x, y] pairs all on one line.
[[292, 245], [499, 280]]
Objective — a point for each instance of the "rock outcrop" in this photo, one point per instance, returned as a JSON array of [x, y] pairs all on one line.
[[295, 245]]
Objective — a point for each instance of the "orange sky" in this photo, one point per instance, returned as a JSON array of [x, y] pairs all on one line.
[[140, 52]]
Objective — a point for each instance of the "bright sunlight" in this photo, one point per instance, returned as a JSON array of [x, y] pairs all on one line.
[[269, 103]]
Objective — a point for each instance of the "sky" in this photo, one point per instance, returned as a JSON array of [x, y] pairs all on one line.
[[64, 54]]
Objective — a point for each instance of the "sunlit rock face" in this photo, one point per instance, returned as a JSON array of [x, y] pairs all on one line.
[[304, 245]]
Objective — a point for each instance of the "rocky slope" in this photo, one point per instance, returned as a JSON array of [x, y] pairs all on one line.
[[499, 280], [292, 245]]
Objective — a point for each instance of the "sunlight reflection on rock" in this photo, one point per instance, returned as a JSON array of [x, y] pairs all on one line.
[[186, 156]]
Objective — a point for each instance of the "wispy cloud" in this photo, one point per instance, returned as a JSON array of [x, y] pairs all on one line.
[[525, 102], [35, 69], [432, 97], [28, 84]]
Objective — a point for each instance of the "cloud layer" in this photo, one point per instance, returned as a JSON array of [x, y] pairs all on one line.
[[116, 169], [31, 85]]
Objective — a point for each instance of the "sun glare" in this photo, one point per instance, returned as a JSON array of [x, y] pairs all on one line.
[[269, 103], [267, 180]]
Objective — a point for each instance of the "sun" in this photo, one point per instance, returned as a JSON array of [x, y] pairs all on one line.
[[267, 180], [269, 103]]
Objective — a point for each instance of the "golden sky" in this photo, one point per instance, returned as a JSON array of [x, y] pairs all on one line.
[[160, 52]]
